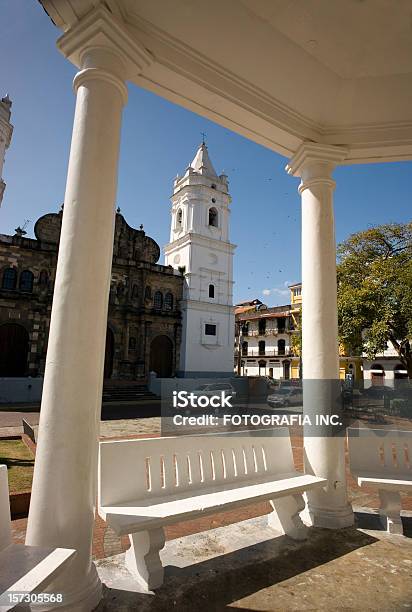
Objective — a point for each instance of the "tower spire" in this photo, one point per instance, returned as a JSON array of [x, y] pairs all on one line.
[[201, 162]]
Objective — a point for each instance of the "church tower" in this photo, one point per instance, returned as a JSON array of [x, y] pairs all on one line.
[[199, 247], [6, 130]]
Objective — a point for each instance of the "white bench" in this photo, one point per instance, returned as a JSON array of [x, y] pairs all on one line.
[[383, 459], [149, 483], [24, 569]]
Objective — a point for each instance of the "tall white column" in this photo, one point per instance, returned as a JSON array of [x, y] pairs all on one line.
[[64, 491], [324, 453]]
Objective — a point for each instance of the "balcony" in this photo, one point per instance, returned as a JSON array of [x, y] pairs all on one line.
[[255, 333], [269, 352]]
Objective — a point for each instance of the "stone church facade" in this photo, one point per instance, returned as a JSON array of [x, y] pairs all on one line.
[[144, 320]]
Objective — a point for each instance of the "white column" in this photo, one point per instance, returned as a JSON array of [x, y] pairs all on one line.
[[64, 491], [324, 453]]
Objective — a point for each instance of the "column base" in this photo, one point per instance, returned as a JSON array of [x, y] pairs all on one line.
[[328, 518], [85, 599]]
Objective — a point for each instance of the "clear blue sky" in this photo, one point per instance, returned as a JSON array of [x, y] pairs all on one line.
[[159, 139]]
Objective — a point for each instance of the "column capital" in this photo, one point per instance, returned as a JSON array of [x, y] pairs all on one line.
[[103, 36], [315, 159]]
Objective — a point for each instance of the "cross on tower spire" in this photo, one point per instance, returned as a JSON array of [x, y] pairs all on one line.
[[203, 138]]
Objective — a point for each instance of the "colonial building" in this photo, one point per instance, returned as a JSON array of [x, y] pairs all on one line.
[[144, 321], [264, 345], [6, 130], [199, 246]]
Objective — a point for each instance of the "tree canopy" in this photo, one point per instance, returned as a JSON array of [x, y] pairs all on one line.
[[375, 291]]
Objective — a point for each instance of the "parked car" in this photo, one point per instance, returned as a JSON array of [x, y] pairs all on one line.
[[285, 396], [219, 389]]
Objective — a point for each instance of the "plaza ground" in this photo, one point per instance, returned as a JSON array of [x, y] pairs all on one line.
[[231, 559]]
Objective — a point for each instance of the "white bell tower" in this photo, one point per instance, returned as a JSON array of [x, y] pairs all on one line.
[[199, 247]]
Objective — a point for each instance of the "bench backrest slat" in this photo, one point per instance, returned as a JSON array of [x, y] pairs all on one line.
[[153, 467], [380, 451]]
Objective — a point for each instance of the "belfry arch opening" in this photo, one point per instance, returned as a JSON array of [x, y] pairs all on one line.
[[179, 218], [213, 217]]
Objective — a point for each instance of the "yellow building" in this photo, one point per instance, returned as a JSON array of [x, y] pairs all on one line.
[[296, 303], [347, 363]]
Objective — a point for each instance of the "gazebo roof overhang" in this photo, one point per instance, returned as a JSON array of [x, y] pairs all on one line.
[[277, 72]]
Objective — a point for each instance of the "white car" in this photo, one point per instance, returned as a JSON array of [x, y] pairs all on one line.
[[285, 397], [222, 390]]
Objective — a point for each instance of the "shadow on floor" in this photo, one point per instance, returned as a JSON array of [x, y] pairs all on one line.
[[371, 520], [138, 410], [214, 584]]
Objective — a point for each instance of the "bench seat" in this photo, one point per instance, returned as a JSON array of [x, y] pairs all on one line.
[[385, 483], [382, 458], [143, 514], [24, 569], [146, 484], [30, 569]]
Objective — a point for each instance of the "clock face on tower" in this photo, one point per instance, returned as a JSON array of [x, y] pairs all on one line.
[[212, 259]]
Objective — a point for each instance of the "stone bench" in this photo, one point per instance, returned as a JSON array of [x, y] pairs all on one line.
[[24, 569], [146, 484], [383, 459]]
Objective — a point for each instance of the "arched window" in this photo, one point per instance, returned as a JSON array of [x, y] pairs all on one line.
[[135, 292], [211, 291], [9, 279], [26, 281], [213, 217], [168, 301], [179, 218], [262, 327], [281, 347], [158, 300], [43, 278], [148, 293]]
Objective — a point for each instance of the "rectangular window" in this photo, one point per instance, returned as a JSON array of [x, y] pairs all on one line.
[[210, 330]]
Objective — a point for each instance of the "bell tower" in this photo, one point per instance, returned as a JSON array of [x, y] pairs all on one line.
[[200, 249]]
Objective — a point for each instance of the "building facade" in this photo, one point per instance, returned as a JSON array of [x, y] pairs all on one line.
[[200, 248], [144, 321], [268, 344], [264, 340]]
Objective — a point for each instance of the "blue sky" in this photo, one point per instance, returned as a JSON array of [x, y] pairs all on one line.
[[159, 139]]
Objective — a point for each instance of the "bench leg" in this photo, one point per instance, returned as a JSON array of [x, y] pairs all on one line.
[[142, 558], [285, 516], [390, 511]]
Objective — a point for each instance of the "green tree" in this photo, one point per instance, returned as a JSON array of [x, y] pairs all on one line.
[[375, 291]]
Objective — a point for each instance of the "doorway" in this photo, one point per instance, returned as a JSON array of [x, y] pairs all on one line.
[[161, 356], [14, 348]]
